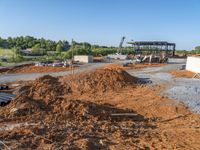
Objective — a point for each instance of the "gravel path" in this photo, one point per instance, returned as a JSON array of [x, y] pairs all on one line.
[[184, 90]]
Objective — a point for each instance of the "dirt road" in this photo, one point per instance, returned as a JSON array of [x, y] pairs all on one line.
[[5, 78]]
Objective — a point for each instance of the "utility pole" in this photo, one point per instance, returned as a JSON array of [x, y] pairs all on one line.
[[72, 61]]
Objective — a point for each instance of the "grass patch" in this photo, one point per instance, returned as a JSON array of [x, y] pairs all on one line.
[[8, 53]]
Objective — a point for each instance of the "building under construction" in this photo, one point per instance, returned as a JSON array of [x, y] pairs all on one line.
[[154, 47]]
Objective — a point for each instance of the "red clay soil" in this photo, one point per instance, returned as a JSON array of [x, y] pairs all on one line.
[[145, 65], [34, 69], [133, 66], [101, 80], [182, 73], [122, 116], [114, 67]]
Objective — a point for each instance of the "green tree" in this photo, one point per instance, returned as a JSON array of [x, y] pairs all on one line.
[[59, 48], [16, 55], [16, 51], [36, 47], [197, 48], [37, 50]]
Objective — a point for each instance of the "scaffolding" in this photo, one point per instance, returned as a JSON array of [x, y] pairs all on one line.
[[154, 47]]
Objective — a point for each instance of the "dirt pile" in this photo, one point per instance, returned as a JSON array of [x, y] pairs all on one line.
[[48, 91], [115, 67], [34, 69], [182, 73], [45, 116], [14, 68], [22, 106], [47, 88], [113, 121], [133, 66], [101, 80], [69, 124], [140, 66]]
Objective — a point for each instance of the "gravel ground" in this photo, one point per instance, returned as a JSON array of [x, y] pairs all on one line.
[[184, 90]]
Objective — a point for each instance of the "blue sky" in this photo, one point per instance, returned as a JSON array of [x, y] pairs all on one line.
[[103, 22]]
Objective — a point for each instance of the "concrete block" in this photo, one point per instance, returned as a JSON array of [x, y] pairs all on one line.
[[193, 64], [83, 58]]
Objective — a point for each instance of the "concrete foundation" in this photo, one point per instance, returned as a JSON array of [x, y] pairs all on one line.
[[193, 64]]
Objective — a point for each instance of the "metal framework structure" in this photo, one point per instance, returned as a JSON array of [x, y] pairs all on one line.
[[154, 47]]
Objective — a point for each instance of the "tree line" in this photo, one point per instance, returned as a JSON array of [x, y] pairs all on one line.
[[41, 46], [35, 43], [196, 50]]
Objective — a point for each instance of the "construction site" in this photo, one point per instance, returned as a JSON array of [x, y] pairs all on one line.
[[148, 102]]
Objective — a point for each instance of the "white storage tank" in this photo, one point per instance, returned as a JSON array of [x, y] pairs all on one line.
[[83, 58]]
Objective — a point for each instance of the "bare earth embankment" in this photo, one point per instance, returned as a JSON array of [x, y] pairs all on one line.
[[33, 69], [102, 109]]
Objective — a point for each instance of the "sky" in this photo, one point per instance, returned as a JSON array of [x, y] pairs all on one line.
[[103, 22]]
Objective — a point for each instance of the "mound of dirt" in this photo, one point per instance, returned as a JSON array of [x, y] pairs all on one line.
[[101, 80], [145, 65], [114, 67], [89, 110], [182, 73], [114, 120], [70, 123], [13, 69], [22, 106], [47, 88], [133, 66], [30, 68], [49, 114]]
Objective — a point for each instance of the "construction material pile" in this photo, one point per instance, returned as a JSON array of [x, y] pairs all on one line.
[[101, 80], [68, 124], [30, 68], [47, 88], [46, 118], [182, 73], [87, 111], [145, 65]]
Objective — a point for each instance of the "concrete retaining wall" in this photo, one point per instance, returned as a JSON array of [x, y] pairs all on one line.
[[193, 64], [83, 58]]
